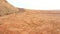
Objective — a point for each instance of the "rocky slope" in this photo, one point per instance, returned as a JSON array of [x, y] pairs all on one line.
[[6, 8], [24, 21]]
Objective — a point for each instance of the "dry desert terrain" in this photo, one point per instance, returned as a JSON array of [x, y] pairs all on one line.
[[24, 21]]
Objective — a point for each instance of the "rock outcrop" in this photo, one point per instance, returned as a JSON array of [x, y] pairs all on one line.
[[6, 8]]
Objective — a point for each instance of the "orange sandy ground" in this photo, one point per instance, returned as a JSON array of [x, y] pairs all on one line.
[[30, 22]]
